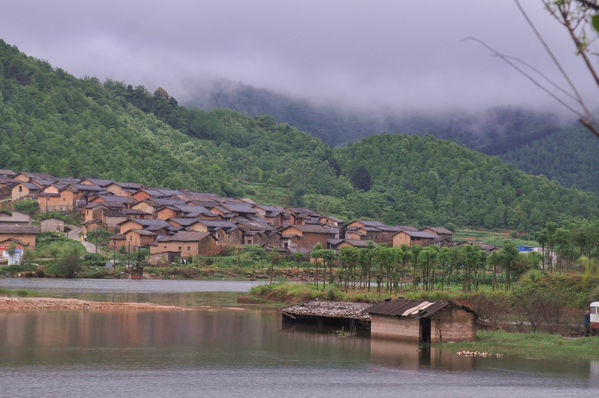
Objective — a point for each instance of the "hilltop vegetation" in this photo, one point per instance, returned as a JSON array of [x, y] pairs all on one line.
[[52, 122], [568, 156], [537, 142]]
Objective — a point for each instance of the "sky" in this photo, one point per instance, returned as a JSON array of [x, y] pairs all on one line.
[[394, 53]]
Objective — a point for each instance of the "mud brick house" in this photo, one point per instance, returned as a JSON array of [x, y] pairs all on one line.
[[299, 215], [63, 200], [24, 190], [159, 227], [195, 211], [24, 235], [123, 188], [330, 221], [422, 321], [6, 182], [305, 237], [442, 233], [483, 246], [97, 182], [52, 225], [276, 216], [415, 238], [28, 177], [375, 231], [186, 244], [226, 232], [337, 244], [136, 238], [15, 218], [7, 173], [146, 193], [86, 191], [124, 202]]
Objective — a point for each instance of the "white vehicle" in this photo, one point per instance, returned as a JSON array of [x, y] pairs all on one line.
[[594, 317]]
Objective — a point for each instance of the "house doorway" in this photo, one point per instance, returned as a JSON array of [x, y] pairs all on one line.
[[425, 330]]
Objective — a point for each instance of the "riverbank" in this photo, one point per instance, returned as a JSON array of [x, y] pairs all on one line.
[[529, 345], [20, 304]]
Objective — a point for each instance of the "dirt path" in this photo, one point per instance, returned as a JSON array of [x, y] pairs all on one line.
[[18, 304], [75, 234]]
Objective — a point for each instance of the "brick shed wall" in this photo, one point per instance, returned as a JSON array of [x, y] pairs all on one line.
[[407, 329], [453, 324]]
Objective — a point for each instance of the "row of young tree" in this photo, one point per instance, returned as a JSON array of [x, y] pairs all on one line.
[[416, 267], [571, 247]]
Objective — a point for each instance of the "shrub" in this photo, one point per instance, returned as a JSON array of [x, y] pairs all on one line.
[[27, 206], [94, 260], [68, 264]]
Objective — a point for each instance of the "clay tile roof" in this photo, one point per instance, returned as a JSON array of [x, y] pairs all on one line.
[[85, 187], [185, 222], [440, 230], [7, 172], [185, 236], [18, 229], [315, 229], [128, 185], [141, 232], [32, 187], [421, 235], [99, 182], [407, 228]]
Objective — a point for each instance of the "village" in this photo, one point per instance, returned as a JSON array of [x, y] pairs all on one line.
[[179, 224]]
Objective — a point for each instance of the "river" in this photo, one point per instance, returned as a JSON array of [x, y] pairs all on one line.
[[240, 352]]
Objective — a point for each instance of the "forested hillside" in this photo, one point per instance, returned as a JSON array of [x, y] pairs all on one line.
[[52, 122], [569, 156], [537, 142]]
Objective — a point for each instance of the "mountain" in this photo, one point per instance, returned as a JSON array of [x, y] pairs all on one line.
[[568, 156], [529, 139], [52, 122]]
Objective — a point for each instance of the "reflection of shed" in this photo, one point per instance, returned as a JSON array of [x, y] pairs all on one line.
[[423, 321]]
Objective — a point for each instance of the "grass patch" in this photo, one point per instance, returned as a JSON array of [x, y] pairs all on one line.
[[530, 345], [493, 238], [18, 293]]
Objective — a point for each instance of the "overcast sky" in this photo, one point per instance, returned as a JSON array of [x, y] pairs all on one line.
[[405, 54]]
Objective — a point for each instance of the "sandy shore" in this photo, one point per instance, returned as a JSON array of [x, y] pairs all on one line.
[[17, 304]]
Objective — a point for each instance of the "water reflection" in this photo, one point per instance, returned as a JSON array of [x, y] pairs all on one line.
[[413, 356], [206, 338]]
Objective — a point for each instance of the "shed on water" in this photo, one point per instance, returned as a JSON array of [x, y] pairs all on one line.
[[422, 321]]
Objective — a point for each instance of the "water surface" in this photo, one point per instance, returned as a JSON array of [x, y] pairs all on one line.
[[223, 352]]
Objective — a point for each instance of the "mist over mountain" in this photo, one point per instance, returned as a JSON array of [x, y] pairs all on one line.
[[537, 141]]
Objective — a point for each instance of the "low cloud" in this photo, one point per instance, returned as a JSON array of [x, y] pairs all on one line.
[[382, 53]]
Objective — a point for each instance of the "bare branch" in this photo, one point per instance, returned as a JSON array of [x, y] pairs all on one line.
[[590, 126], [528, 76], [590, 4], [547, 79], [553, 58]]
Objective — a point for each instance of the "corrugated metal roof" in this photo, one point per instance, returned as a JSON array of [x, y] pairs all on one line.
[[406, 307], [402, 307]]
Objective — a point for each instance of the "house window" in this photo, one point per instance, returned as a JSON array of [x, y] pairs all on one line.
[[130, 237], [188, 247], [20, 189], [179, 247]]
